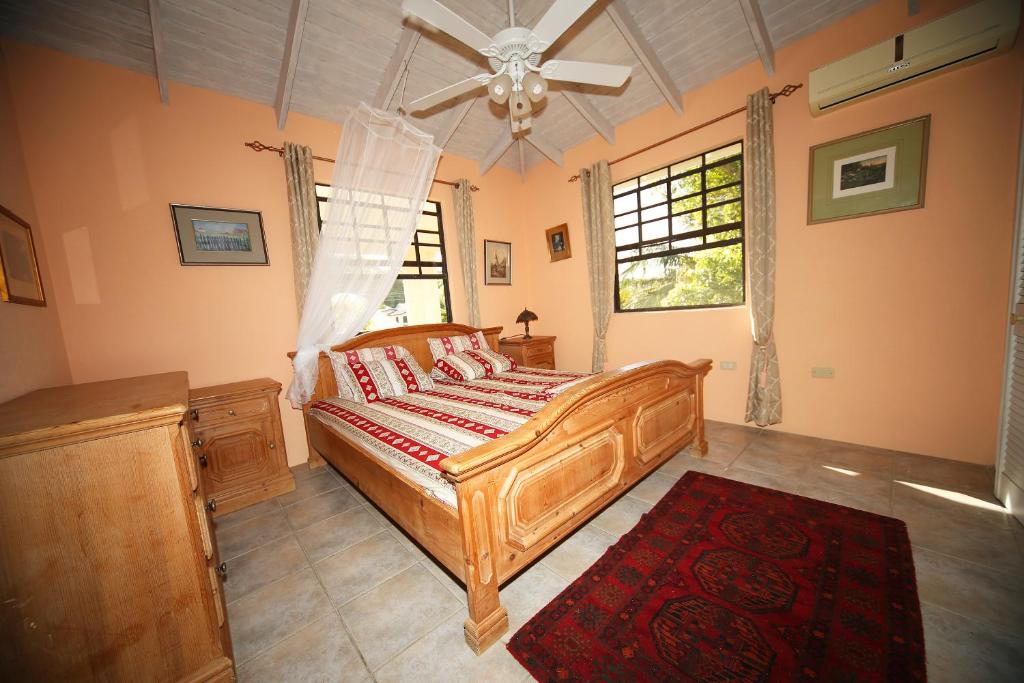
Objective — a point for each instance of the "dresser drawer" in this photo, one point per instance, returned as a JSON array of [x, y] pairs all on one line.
[[228, 411], [544, 362], [539, 357]]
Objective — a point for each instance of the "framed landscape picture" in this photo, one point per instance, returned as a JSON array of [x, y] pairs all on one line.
[[497, 263], [20, 282], [558, 242], [878, 171], [219, 237]]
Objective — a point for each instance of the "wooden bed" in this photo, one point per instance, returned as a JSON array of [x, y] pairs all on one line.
[[521, 494]]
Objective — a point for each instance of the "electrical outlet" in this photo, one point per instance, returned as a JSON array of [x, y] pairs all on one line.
[[728, 365], [823, 373]]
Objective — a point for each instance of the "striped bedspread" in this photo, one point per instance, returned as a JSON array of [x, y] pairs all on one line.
[[413, 433]]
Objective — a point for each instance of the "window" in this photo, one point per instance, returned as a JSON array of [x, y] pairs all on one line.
[[679, 234], [420, 294]]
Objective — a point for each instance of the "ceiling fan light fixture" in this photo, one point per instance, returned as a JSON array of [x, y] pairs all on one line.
[[500, 88], [519, 106], [536, 87]]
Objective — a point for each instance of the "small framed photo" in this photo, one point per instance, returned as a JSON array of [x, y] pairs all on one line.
[[219, 237], [874, 172], [558, 242], [497, 263], [20, 281]]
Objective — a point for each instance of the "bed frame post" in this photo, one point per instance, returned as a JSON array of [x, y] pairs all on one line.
[[488, 620], [700, 443]]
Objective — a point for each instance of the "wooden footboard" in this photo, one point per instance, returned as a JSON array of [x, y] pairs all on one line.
[[521, 494]]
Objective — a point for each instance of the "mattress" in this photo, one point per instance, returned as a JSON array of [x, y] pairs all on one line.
[[414, 433]]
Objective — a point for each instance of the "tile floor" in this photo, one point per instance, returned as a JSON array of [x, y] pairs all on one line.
[[322, 587]]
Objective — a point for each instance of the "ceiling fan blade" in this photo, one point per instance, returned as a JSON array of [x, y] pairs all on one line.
[[445, 94], [592, 73], [443, 19], [559, 17]]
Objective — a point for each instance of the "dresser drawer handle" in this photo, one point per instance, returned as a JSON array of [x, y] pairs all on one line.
[[212, 505], [195, 414], [231, 413], [222, 569], [273, 445], [203, 461], [197, 443]]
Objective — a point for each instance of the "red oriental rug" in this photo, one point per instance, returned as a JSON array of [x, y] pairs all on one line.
[[724, 581]]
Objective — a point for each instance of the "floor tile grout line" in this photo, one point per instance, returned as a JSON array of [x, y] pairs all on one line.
[[373, 672], [337, 609], [254, 657], [1013, 577], [426, 633], [999, 630]]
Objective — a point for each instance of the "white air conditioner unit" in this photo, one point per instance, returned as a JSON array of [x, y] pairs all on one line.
[[969, 34]]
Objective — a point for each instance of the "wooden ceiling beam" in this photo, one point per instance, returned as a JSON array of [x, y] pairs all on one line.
[[456, 121], [645, 53], [158, 50], [290, 60], [590, 113], [396, 68], [759, 33], [496, 151], [545, 147]]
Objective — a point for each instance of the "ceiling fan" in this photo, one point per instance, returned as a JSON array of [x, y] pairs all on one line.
[[514, 55]]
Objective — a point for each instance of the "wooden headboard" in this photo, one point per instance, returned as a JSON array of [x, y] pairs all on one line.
[[412, 337]]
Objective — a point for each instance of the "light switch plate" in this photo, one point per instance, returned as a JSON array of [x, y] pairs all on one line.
[[728, 365], [823, 373]]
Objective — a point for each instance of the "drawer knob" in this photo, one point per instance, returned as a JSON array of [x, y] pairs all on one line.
[[231, 412], [273, 445], [212, 505], [197, 443], [222, 569], [195, 414], [203, 461]]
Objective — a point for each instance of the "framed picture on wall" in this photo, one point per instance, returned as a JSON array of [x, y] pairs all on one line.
[[219, 237], [20, 281], [497, 263], [874, 172], [558, 242]]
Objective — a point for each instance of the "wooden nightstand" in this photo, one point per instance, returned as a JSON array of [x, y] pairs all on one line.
[[535, 352], [239, 443]]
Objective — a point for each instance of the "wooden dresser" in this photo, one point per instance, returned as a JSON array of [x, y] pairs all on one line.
[[239, 443], [535, 352], [108, 565]]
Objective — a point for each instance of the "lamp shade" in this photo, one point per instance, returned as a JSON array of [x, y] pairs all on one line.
[[527, 316]]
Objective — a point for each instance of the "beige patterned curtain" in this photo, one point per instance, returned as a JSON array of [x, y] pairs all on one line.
[[599, 228], [466, 226], [764, 397], [302, 207]]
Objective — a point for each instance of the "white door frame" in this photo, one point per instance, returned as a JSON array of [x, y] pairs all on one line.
[[1009, 493]]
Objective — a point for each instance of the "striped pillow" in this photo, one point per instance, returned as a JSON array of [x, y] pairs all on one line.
[[373, 380], [392, 352], [477, 364], [443, 346]]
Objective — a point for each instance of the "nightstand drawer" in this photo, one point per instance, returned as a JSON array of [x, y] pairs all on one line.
[[233, 410], [540, 359]]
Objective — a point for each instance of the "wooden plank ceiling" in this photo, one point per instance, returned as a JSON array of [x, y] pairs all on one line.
[[344, 49]]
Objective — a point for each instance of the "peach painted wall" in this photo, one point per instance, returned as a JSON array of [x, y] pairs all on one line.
[[907, 307], [31, 343], [109, 158]]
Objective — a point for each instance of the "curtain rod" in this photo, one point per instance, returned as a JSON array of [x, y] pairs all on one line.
[[785, 92], [258, 146]]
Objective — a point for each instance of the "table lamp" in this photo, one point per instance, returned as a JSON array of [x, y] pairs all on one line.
[[527, 316]]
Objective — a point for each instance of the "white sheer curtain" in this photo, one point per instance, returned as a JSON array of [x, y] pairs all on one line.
[[381, 178]]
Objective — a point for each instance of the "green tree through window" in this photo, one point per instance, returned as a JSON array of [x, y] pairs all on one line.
[[679, 234]]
